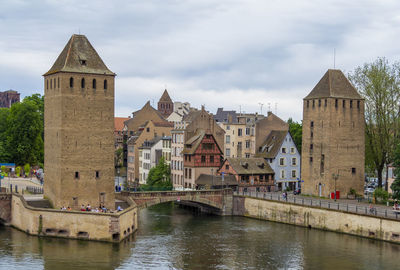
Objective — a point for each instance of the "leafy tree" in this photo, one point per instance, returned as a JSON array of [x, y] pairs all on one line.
[[27, 169], [118, 157], [18, 171], [160, 176], [24, 141], [396, 183], [381, 195], [379, 84], [39, 101], [296, 130], [4, 155]]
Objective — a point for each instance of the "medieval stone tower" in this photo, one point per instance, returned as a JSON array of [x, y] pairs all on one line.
[[165, 105], [79, 124], [333, 137]]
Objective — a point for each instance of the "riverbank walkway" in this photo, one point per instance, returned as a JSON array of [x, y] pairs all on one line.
[[345, 205]]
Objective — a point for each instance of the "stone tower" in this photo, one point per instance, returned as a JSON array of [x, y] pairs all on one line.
[[79, 125], [333, 137], [165, 104]]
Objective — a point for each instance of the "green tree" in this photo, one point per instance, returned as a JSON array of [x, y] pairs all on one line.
[[159, 176], [24, 141], [4, 155], [296, 130], [27, 169], [39, 101], [396, 183], [118, 155], [379, 84]]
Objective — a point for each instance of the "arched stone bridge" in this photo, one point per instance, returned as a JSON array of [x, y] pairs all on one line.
[[5, 208], [220, 201]]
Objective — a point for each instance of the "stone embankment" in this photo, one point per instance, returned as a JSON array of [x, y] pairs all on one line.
[[374, 227]]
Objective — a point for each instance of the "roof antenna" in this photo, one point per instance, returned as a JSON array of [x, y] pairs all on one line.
[[334, 58], [261, 105]]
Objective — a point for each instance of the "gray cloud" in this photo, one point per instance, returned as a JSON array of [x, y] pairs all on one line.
[[218, 53]]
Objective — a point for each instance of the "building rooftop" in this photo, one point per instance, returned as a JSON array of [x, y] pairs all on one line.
[[271, 146], [334, 84], [250, 166], [79, 56]]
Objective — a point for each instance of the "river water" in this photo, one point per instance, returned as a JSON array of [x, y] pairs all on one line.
[[174, 238]]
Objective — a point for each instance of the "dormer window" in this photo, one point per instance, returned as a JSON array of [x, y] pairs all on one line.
[[83, 62]]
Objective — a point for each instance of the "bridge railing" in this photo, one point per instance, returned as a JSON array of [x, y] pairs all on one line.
[[177, 193], [358, 208]]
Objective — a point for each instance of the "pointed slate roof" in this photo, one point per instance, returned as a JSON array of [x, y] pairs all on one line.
[[165, 97], [79, 56], [334, 84]]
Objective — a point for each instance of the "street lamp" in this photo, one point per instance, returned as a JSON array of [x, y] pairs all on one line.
[[335, 177]]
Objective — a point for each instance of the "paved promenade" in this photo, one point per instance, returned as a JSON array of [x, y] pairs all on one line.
[[21, 183], [342, 204]]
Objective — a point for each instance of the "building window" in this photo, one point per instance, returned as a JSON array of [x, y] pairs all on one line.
[[336, 103], [282, 161], [211, 159], [313, 103], [58, 82], [228, 139], [247, 144], [190, 173], [294, 172], [247, 131], [311, 146], [148, 129], [308, 103], [284, 150], [226, 167], [344, 103], [292, 151], [326, 102], [351, 104], [358, 104], [94, 83], [76, 175], [312, 124], [186, 172], [353, 170], [311, 159], [203, 159], [319, 103], [228, 127], [239, 132], [228, 152], [83, 83], [312, 134], [105, 84], [51, 83], [97, 174], [294, 161], [247, 155], [282, 174]]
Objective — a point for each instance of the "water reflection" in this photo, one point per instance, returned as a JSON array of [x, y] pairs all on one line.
[[172, 238]]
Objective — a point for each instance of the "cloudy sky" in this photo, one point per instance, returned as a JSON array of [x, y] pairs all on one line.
[[232, 54]]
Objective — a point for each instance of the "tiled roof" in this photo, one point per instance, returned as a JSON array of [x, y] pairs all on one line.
[[119, 123], [272, 144], [250, 166], [334, 84], [165, 97], [216, 180], [194, 142], [79, 56], [164, 124]]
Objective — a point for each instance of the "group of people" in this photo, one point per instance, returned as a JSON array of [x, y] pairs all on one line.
[[396, 206], [100, 209]]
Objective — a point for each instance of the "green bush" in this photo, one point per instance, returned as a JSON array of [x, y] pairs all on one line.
[[18, 171], [27, 169], [381, 195]]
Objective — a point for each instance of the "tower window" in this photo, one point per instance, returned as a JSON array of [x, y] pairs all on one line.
[[353, 170], [94, 84], [344, 103], [311, 146], [58, 82], [51, 83], [336, 103], [105, 84], [83, 62], [97, 174], [76, 175], [47, 84], [71, 82], [308, 103], [319, 103], [351, 104], [358, 104], [83, 83], [313, 103], [312, 124], [326, 102], [311, 159]]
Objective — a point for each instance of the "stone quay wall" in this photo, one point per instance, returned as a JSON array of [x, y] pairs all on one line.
[[72, 224], [5, 208], [314, 217]]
